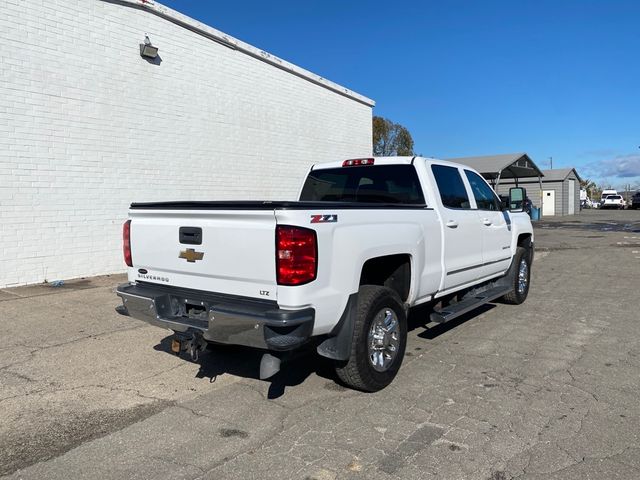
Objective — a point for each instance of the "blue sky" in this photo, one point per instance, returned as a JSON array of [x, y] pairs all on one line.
[[554, 79]]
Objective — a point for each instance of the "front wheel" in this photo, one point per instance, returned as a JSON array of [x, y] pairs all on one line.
[[521, 278], [379, 340]]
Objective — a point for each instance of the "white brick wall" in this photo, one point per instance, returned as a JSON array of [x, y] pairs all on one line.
[[87, 126]]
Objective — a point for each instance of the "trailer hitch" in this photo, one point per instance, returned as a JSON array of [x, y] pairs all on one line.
[[193, 343]]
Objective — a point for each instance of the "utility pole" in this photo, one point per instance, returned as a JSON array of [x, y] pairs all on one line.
[[551, 163]]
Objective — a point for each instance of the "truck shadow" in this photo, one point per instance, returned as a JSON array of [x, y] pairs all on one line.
[[244, 362]]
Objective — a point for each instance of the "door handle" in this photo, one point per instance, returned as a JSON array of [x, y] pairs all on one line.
[[486, 221], [190, 235], [452, 224]]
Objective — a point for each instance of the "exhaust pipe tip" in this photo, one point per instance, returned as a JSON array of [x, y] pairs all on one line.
[[269, 366]]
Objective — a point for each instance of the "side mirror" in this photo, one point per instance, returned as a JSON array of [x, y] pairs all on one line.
[[517, 196]]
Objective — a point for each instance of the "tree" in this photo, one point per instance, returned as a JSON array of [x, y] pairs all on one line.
[[390, 139], [590, 186]]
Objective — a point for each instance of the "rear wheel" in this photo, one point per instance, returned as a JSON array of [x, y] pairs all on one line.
[[521, 278], [379, 340]]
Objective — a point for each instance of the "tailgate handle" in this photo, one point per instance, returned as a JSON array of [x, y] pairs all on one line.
[[191, 235]]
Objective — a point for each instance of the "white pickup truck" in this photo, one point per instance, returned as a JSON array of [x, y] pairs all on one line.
[[336, 271]]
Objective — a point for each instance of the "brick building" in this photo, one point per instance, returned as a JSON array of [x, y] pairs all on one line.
[[88, 125]]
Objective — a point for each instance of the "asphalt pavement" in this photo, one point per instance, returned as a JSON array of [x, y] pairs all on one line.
[[545, 390]]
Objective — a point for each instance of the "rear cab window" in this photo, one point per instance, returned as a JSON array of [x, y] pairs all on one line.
[[365, 184], [453, 193]]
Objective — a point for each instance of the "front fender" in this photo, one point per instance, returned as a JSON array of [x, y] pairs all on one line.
[[520, 225]]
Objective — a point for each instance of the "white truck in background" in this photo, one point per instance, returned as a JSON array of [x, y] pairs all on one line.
[[606, 192], [336, 271]]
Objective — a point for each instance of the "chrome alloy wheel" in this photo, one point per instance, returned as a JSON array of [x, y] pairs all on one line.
[[523, 276], [384, 339]]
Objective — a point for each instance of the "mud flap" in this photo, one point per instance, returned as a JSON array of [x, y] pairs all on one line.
[[338, 345]]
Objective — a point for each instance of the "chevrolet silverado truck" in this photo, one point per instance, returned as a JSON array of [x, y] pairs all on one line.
[[336, 271]]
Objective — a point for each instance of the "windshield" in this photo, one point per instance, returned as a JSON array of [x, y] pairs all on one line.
[[369, 184]]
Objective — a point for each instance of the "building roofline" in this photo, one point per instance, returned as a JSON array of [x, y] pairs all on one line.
[[567, 171], [235, 44], [501, 166]]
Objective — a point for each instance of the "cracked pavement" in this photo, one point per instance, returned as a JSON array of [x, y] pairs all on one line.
[[545, 390]]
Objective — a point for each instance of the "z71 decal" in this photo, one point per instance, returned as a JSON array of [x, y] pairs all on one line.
[[324, 218]]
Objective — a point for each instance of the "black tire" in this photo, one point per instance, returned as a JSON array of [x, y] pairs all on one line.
[[358, 371], [517, 295]]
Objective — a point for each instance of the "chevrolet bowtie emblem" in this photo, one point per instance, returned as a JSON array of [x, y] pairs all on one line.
[[190, 255]]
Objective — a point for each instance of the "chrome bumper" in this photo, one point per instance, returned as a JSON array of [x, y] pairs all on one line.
[[219, 318]]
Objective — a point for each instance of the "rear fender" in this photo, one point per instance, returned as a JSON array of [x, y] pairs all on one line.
[[343, 249]]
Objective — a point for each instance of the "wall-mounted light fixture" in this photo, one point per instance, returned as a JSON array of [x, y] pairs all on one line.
[[148, 50]]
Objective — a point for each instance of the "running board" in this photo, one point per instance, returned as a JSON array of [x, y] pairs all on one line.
[[453, 311]]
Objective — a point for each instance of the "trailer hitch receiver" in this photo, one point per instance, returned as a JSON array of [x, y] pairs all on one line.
[[193, 344]]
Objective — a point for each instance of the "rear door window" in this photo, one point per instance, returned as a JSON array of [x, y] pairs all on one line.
[[452, 190], [366, 184], [484, 195]]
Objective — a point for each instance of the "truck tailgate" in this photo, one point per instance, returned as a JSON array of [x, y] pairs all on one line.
[[235, 254]]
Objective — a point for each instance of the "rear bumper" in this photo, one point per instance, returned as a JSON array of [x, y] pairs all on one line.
[[219, 318]]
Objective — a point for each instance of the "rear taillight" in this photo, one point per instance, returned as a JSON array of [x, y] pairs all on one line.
[[126, 243], [358, 162], [296, 255]]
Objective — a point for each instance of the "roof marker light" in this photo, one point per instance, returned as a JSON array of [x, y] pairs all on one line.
[[357, 162]]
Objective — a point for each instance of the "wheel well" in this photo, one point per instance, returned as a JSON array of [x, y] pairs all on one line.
[[524, 240], [392, 271]]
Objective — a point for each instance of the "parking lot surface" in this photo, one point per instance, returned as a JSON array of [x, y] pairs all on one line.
[[545, 390]]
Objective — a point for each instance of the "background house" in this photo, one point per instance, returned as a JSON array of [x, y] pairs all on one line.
[[560, 191], [88, 125]]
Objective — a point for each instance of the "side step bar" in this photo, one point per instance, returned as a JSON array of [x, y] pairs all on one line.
[[453, 311]]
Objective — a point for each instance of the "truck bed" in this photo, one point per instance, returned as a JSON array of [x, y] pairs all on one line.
[[269, 205]]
